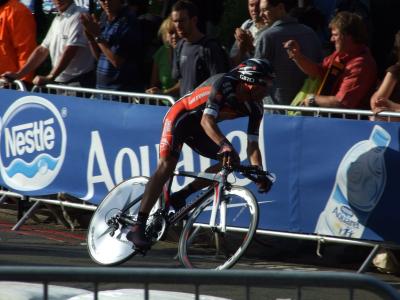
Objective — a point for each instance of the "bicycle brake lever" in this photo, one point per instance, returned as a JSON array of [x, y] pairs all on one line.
[[271, 176]]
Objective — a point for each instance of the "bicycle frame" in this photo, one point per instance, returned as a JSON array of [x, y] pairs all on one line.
[[219, 182]]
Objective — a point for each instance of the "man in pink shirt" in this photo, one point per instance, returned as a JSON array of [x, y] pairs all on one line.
[[349, 75]]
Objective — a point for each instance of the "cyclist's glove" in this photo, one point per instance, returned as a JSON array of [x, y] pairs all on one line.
[[264, 183], [228, 153]]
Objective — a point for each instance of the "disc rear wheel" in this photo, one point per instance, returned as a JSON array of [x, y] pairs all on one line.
[[106, 237]]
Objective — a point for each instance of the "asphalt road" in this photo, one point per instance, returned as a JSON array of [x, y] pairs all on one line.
[[47, 243]]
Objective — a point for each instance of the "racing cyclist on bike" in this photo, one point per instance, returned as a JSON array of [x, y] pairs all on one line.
[[193, 120]]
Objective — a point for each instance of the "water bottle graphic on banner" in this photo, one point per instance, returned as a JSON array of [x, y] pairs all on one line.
[[360, 182]]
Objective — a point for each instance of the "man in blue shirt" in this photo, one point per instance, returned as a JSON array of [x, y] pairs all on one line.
[[115, 41]]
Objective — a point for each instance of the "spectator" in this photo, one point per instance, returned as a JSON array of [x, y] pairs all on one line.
[[289, 79], [115, 41], [196, 56], [246, 36], [209, 13], [161, 77], [17, 36], [349, 74], [387, 97], [66, 44]]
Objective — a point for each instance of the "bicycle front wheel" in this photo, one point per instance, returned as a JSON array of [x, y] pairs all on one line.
[[220, 246]]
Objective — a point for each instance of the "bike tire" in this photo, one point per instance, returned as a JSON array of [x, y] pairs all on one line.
[[200, 245], [107, 249]]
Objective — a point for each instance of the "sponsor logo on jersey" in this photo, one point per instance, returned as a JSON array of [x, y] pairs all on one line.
[[198, 96]]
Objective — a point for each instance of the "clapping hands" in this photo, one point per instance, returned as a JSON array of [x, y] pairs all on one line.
[[91, 25], [244, 39]]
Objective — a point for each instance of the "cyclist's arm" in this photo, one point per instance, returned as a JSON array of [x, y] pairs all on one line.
[[256, 112], [212, 111], [210, 126], [254, 153]]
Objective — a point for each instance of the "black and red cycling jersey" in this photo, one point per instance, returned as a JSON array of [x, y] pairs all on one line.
[[217, 96]]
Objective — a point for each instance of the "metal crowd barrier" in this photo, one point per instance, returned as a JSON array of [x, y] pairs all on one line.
[[253, 284], [129, 97], [357, 114], [15, 85]]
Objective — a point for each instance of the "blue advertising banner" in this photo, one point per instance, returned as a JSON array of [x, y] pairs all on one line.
[[334, 177]]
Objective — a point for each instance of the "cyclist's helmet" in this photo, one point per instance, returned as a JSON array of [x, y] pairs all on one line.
[[254, 71]]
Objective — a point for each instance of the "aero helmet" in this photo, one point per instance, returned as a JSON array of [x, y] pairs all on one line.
[[254, 71]]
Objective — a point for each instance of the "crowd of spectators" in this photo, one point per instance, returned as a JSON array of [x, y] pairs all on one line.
[[65, 43], [281, 26], [348, 75], [124, 47]]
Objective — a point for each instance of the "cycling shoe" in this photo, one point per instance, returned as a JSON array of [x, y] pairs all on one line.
[[138, 237]]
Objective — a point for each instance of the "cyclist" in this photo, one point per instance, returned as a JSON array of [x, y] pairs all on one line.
[[193, 120]]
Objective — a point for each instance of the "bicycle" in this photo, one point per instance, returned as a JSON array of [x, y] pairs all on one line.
[[219, 224]]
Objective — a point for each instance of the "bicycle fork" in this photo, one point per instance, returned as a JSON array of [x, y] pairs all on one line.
[[219, 203]]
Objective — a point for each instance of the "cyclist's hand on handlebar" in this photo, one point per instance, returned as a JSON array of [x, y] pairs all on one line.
[[264, 183], [228, 154]]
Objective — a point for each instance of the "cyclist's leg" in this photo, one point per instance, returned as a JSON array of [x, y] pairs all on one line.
[[200, 142], [152, 191], [165, 168], [170, 146]]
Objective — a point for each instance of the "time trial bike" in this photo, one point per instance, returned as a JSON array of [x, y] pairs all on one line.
[[219, 224]]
